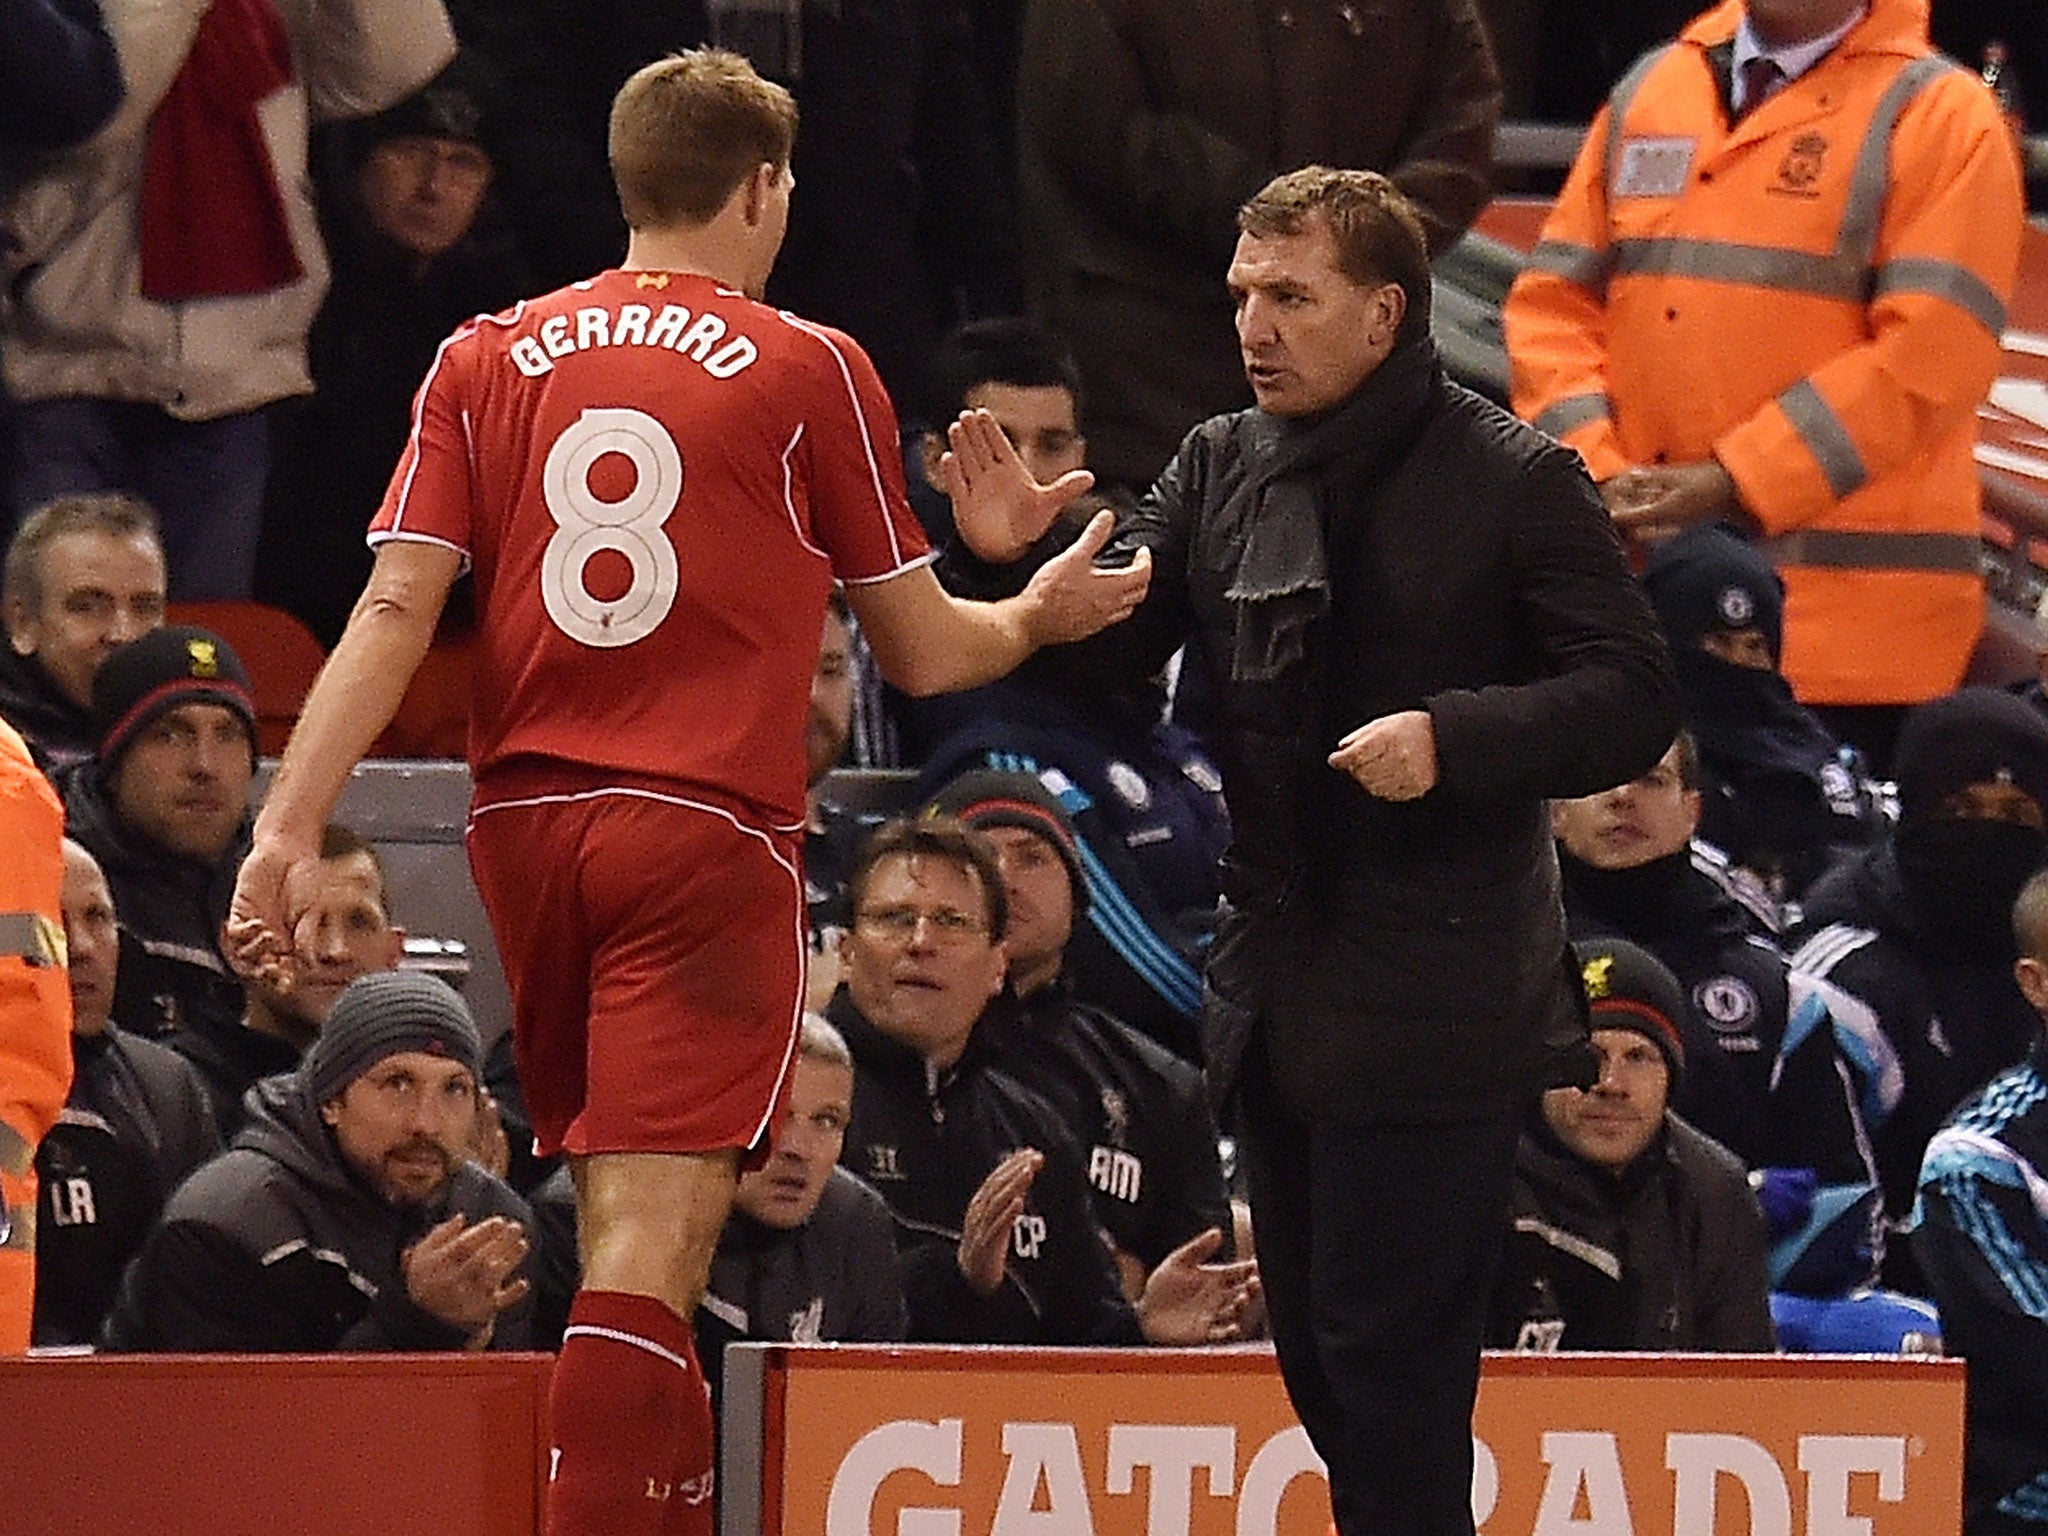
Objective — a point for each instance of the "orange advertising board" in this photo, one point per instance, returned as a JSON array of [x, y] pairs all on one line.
[[860, 1441]]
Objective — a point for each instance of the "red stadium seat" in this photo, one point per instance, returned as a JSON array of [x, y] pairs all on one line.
[[433, 717], [279, 652]]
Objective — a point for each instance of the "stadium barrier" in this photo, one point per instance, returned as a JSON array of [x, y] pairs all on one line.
[[931, 1441], [272, 1445], [928, 1441]]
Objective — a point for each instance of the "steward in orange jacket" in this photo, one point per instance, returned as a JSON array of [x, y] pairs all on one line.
[[35, 1016], [1786, 321]]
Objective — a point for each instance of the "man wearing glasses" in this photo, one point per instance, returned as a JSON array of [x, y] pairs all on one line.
[[995, 1239]]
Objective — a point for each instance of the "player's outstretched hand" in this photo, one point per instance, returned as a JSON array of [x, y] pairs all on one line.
[[999, 510], [274, 893], [1189, 1300], [1071, 597]]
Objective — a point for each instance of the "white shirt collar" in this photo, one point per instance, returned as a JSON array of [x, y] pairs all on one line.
[[1795, 60]]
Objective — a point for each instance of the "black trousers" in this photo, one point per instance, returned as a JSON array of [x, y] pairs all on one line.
[[1378, 1245]]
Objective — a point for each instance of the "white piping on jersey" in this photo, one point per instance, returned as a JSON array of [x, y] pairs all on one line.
[[394, 536], [573, 797], [927, 558], [860, 416], [507, 320], [789, 495], [633, 1340], [799, 935]]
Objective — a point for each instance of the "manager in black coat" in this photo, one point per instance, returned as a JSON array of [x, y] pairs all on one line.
[[1418, 628]]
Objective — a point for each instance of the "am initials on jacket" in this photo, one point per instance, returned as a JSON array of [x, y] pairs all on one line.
[[1117, 1173]]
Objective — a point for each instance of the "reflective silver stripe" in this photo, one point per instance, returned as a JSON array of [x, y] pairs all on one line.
[[30, 936], [1846, 272], [1825, 437], [1579, 264], [1587, 1252], [18, 1229], [1571, 413], [16, 1155], [1944, 280], [1619, 101], [1845, 549], [1754, 266], [184, 954], [1856, 240]]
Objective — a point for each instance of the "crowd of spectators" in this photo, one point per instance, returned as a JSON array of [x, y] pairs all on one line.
[[1817, 1018]]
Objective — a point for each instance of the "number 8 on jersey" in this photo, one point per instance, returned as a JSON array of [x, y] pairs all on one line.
[[587, 526]]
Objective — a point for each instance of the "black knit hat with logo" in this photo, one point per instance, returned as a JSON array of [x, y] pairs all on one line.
[[165, 668], [1627, 987], [989, 797]]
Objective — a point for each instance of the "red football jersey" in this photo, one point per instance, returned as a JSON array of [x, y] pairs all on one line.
[[657, 481]]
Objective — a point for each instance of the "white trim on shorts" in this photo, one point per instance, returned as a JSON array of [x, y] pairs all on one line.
[[788, 866]]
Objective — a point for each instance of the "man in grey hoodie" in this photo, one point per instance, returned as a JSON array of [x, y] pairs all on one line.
[[346, 1215]]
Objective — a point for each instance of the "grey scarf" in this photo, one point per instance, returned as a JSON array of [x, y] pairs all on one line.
[[1302, 466]]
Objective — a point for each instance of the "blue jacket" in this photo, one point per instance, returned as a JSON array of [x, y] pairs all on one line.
[[1982, 1240]]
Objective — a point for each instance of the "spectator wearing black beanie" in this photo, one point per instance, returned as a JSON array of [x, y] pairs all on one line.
[[1779, 794], [1631, 1229], [1918, 932], [163, 807]]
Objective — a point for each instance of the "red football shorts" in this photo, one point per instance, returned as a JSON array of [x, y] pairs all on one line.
[[654, 947]]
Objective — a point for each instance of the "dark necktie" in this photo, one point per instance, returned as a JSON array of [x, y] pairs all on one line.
[[1760, 77]]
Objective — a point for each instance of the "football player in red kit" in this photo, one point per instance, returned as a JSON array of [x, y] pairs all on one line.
[[657, 481]]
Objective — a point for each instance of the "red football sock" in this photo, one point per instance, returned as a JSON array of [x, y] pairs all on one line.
[[691, 1509], [626, 1408]]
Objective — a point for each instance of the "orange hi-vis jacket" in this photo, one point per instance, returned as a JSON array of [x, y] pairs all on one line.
[[1812, 295], [35, 1016]]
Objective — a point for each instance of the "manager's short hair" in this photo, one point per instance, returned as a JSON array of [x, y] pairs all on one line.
[[1378, 232]]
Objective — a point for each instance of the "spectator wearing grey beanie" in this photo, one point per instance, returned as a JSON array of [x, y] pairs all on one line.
[[347, 1213]]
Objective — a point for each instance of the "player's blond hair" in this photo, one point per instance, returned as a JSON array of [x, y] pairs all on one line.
[[687, 130]]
